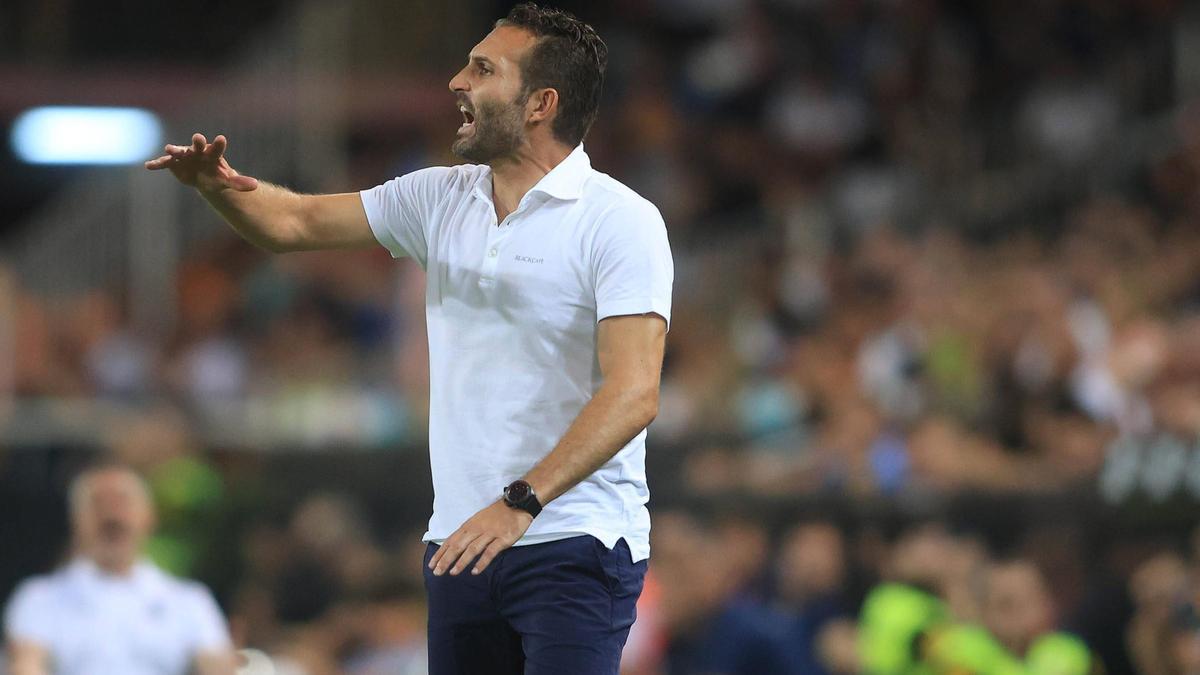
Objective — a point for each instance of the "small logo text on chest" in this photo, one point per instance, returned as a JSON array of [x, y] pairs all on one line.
[[529, 259]]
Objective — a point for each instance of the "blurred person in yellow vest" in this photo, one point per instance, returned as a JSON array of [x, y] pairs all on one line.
[[1017, 636], [898, 615], [110, 611]]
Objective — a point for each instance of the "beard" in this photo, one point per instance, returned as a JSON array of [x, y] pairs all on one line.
[[497, 132]]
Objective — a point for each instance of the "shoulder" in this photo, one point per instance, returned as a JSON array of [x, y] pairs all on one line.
[[37, 590], [753, 618], [760, 631], [460, 177], [432, 183], [618, 217], [458, 174], [1062, 648], [38, 599], [192, 593], [183, 591], [610, 197]]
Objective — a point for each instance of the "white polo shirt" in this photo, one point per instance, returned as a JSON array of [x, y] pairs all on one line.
[[94, 623], [512, 309]]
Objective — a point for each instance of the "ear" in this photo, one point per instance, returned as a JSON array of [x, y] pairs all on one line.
[[542, 106]]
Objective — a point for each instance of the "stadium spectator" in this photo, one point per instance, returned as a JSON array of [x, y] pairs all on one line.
[[913, 263], [709, 626], [109, 610], [811, 591], [1017, 634]]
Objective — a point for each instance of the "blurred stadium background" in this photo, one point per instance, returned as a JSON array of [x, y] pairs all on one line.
[[937, 304]]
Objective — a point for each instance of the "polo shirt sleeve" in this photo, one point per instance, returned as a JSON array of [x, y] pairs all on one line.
[[399, 210], [209, 630], [28, 615], [631, 262]]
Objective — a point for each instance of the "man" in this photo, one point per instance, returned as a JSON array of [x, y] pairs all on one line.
[[548, 301], [709, 626], [1017, 633], [1018, 610], [899, 615], [811, 575], [109, 612]]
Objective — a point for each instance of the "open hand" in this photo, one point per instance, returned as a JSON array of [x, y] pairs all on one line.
[[202, 165], [484, 535]]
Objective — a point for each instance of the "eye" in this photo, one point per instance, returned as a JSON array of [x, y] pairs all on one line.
[[484, 70]]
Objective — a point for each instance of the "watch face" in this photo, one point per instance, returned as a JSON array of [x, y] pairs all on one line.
[[517, 492]]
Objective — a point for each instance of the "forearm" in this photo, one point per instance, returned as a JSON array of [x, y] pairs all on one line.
[[270, 217], [605, 425], [221, 662], [25, 658]]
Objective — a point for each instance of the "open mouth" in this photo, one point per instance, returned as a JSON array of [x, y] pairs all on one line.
[[113, 531], [468, 117]]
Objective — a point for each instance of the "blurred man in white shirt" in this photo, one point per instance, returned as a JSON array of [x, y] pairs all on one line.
[[109, 611]]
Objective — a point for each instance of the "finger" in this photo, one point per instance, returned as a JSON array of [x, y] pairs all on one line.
[[470, 554], [178, 151], [160, 163], [243, 183], [198, 142], [437, 555], [217, 148], [489, 554], [447, 555], [452, 552]]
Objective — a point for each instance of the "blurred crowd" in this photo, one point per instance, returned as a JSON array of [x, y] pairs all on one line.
[[824, 595], [840, 322], [320, 572], [866, 305]]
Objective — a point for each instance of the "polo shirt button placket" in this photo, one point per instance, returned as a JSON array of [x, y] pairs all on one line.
[[495, 236], [491, 258]]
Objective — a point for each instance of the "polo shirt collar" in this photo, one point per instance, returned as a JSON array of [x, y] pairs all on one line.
[[565, 181], [144, 574]]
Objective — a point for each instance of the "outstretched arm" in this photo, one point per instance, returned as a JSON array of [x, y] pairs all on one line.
[[268, 216]]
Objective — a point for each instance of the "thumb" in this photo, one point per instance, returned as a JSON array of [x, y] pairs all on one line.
[[243, 183]]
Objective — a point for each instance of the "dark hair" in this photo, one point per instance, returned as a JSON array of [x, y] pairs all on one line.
[[569, 57]]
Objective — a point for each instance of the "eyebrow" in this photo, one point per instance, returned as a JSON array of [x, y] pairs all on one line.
[[476, 58]]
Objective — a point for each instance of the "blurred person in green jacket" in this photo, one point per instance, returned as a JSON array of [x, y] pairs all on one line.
[[898, 616], [907, 627], [1017, 636]]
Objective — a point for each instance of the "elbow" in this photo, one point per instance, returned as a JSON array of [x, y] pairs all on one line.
[[646, 405], [284, 245], [273, 246]]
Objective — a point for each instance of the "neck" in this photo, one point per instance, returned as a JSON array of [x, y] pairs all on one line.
[[513, 176], [116, 568]]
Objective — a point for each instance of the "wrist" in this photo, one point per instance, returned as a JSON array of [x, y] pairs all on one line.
[[214, 188], [519, 495], [211, 192]]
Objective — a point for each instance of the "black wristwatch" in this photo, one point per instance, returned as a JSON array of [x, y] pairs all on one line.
[[519, 495]]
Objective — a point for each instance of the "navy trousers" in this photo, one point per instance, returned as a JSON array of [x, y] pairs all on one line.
[[563, 607]]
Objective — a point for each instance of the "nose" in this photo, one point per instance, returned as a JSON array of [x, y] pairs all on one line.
[[458, 82]]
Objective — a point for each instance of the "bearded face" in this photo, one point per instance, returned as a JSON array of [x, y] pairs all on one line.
[[491, 128]]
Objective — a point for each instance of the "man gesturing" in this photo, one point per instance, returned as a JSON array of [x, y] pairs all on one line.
[[548, 299]]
